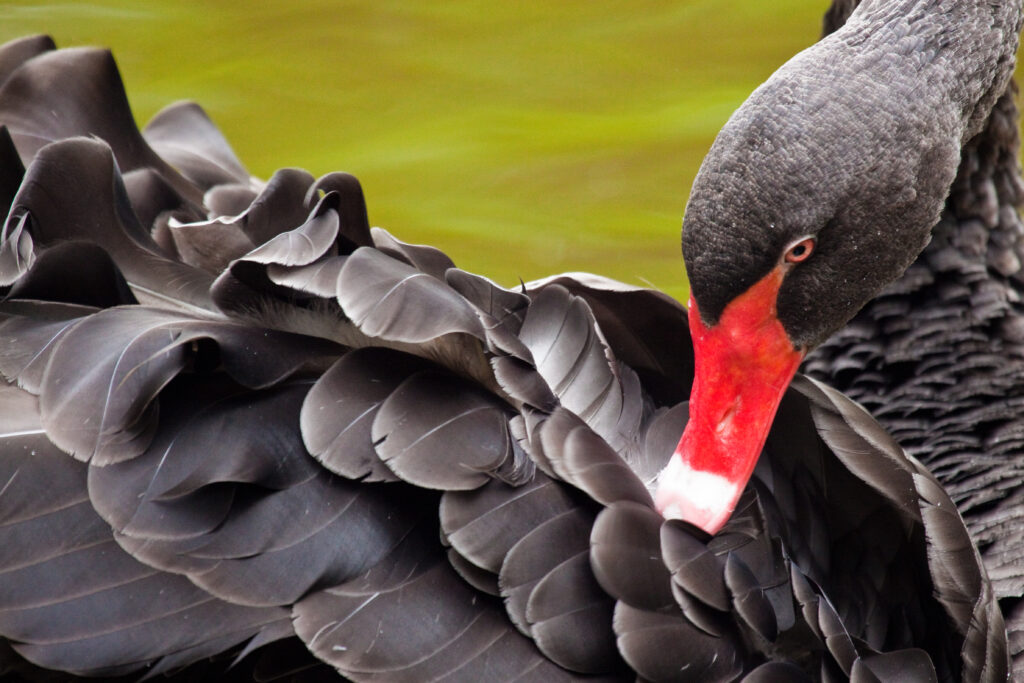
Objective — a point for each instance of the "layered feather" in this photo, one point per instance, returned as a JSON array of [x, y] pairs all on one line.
[[310, 426], [937, 357]]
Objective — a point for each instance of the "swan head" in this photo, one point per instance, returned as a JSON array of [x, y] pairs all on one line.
[[820, 190]]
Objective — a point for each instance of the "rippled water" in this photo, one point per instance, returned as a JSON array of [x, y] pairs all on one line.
[[522, 138]]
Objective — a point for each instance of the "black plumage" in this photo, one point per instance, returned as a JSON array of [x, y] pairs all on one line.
[[72, 598], [296, 427], [937, 357]]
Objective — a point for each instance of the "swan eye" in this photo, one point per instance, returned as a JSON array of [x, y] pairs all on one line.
[[800, 251]]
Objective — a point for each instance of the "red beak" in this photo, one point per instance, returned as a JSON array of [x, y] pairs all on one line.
[[743, 365]]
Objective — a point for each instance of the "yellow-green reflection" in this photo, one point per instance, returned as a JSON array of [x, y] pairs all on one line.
[[522, 138]]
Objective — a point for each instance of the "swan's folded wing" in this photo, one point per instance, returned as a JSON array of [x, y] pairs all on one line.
[[70, 597], [413, 619], [73, 190]]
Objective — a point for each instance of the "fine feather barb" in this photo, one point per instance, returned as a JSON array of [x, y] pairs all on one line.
[[184, 136], [749, 599], [663, 646], [570, 618], [308, 242], [31, 330], [422, 257], [16, 250], [695, 569], [109, 412], [439, 431], [73, 190], [480, 579], [260, 273], [484, 524], [318, 278], [279, 207], [389, 299], [582, 458], [505, 307], [593, 466], [261, 523], [339, 410], [523, 383], [72, 599], [501, 311], [645, 328], [536, 554], [354, 228], [625, 553], [662, 431], [412, 619], [209, 245], [577, 364]]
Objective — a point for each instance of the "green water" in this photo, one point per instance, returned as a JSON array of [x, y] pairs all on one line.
[[523, 138]]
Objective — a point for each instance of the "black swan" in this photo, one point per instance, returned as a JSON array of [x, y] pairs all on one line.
[[289, 428], [938, 356]]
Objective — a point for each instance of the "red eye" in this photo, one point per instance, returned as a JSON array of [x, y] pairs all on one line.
[[800, 251]]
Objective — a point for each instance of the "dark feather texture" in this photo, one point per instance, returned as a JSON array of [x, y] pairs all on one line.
[[11, 170], [109, 413], [70, 598], [73, 190], [310, 430], [187, 139], [394, 301], [936, 358], [338, 414], [453, 446], [485, 524], [57, 94], [413, 619], [536, 554]]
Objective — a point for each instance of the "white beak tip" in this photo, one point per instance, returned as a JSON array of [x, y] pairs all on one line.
[[703, 499]]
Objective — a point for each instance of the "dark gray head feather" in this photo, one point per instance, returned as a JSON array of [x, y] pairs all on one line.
[[855, 141]]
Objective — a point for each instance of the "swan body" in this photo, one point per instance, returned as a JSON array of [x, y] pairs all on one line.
[[240, 424]]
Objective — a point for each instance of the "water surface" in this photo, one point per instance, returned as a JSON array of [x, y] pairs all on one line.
[[522, 138]]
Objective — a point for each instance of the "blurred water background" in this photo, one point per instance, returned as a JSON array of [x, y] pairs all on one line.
[[522, 138]]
